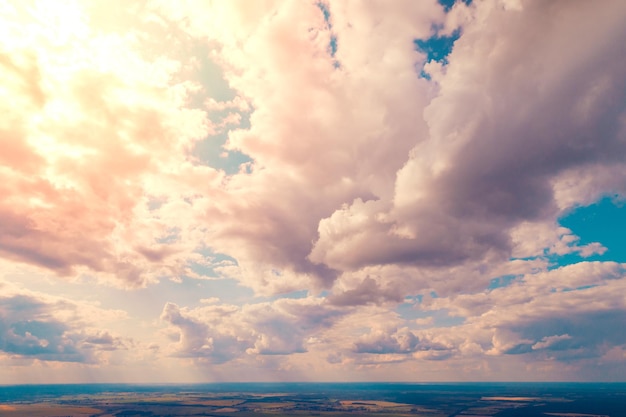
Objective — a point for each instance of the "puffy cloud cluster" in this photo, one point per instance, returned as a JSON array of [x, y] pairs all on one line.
[[46, 328], [219, 333], [522, 105], [311, 154], [568, 313]]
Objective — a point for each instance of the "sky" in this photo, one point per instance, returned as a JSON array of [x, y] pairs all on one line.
[[333, 190]]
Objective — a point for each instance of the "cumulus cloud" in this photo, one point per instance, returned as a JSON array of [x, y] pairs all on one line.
[[402, 341], [499, 138], [564, 314], [37, 326], [367, 291], [310, 154], [195, 338], [220, 333]]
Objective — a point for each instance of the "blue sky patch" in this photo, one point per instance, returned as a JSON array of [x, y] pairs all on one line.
[[210, 151], [441, 318], [332, 45], [447, 4], [293, 295], [501, 282], [210, 76], [603, 222], [437, 48], [215, 260]]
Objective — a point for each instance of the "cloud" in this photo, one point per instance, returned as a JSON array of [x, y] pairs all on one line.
[[402, 341], [37, 326], [533, 239], [412, 174], [585, 335], [500, 138], [415, 203], [551, 341], [564, 314], [310, 154], [89, 123], [196, 340], [220, 333], [367, 291], [353, 165]]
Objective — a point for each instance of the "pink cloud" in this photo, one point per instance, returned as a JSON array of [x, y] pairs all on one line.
[[85, 135]]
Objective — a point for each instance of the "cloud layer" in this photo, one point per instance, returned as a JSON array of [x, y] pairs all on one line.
[[380, 211]]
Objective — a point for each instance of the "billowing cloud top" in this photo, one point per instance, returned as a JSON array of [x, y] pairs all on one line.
[[316, 190]]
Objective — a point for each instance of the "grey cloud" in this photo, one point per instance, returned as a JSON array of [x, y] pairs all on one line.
[[334, 358], [498, 140], [343, 136], [201, 340], [220, 334], [405, 343], [103, 341], [285, 325], [582, 335], [29, 328], [401, 341], [367, 292], [39, 339]]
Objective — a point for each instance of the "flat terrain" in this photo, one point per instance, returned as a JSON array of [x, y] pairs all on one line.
[[325, 400]]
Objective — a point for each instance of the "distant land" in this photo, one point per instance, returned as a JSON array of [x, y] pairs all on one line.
[[501, 399]]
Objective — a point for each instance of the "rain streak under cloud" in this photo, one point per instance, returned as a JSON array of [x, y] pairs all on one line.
[[312, 190]]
